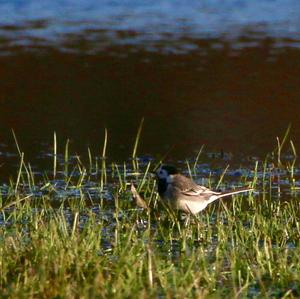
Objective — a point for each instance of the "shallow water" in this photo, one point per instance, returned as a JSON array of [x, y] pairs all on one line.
[[220, 73]]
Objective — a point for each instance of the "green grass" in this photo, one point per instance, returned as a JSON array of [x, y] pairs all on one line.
[[57, 245]]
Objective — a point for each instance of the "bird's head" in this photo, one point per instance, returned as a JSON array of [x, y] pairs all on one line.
[[163, 172]]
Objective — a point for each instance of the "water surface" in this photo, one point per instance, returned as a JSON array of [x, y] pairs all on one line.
[[220, 73]]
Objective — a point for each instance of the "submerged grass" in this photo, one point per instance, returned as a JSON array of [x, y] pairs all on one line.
[[54, 244]]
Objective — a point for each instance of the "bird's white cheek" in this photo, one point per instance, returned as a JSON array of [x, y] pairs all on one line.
[[170, 179]]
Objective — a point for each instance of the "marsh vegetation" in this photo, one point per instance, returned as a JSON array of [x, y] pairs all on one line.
[[75, 231]]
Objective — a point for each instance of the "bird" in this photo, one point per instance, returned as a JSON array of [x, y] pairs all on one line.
[[182, 193]]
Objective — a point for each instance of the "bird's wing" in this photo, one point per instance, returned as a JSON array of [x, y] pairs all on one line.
[[199, 191], [188, 187]]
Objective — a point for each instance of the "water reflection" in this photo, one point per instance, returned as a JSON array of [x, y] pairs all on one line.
[[219, 73], [153, 20], [238, 101]]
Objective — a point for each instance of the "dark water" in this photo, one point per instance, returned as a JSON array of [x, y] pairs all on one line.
[[220, 73]]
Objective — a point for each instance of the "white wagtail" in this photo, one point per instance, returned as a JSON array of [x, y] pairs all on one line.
[[182, 193]]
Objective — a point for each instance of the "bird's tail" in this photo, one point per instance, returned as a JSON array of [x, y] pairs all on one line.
[[214, 197], [236, 191]]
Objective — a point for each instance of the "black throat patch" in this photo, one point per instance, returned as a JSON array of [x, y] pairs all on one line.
[[162, 186]]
